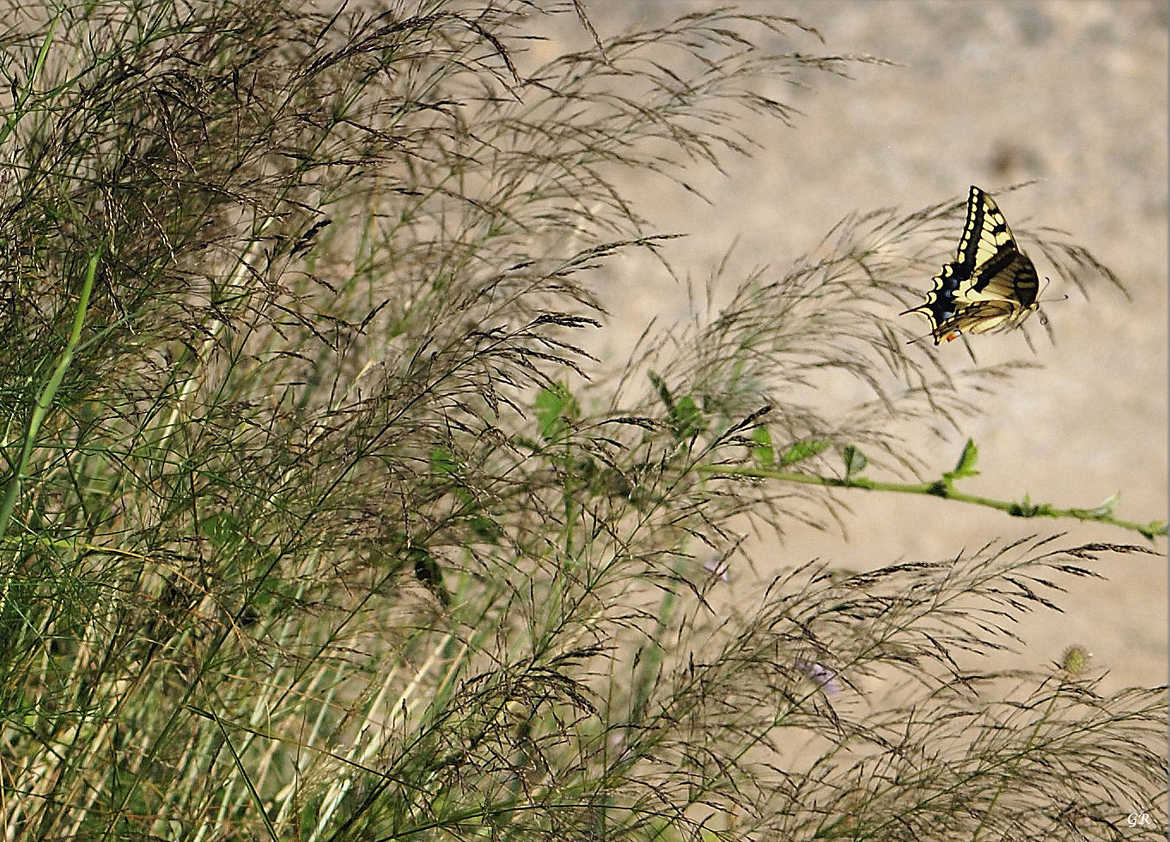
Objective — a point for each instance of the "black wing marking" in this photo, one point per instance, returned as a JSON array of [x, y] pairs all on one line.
[[991, 284]]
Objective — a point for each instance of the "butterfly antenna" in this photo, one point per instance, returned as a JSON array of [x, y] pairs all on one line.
[[1040, 298]]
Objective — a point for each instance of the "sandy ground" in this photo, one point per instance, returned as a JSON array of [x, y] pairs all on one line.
[[990, 93]]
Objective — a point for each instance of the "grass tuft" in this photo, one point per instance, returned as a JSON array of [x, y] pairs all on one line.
[[321, 523]]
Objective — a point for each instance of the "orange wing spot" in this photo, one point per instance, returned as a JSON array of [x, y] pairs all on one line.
[[954, 334]]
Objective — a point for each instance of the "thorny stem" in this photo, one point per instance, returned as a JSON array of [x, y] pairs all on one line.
[[947, 491]]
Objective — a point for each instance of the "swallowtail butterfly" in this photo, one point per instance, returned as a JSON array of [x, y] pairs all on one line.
[[991, 285]]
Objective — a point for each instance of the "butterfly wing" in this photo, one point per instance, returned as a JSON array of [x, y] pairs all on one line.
[[1002, 293], [990, 285]]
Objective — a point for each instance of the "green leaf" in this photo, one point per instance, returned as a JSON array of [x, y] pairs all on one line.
[[222, 530], [442, 462], [486, 529], [611, 483], [855, 461], [1024, 508], [763, 453], [663, 391], [1154, 527], [687, 419], [428, 572], [554, 404], [965, 467], [1107, 506], [803, 450]]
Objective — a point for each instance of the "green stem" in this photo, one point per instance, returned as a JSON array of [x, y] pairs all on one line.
[[40, 410], [945, 490], [45, 399], [19, 107]]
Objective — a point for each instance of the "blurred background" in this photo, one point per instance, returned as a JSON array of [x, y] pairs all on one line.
[[1072, 94]]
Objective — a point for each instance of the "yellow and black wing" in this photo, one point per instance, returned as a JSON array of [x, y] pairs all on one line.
[[991, 285]]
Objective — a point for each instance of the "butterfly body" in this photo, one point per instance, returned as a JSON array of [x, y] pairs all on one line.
[[990, 285]]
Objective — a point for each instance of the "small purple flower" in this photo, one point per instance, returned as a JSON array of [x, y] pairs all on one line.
[[824, 678], [719, 568]]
